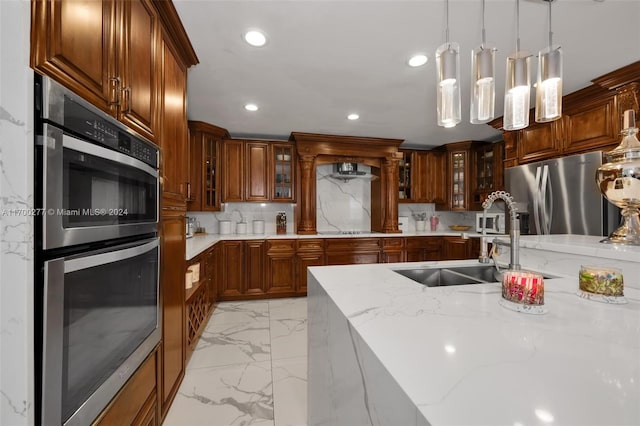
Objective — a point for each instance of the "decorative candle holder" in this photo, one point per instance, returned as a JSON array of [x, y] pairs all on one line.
[[523, 291], [602, 284]]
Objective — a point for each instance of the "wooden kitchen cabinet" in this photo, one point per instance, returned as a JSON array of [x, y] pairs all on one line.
[[393, 250], [256, 170], [434, 187], [255, 267], [458, 175], [419, 249], [243, 270], [232, 263], [281, 272], [487, 172], [309, 252], [197, 303], [591, 126], [173, 243], [422, 177], [205, 146], [174, 166], [105, 51], [233, 171], [407, 177], [346, 251], [136, 403], [540, 141], [455, 248], [283, 172]]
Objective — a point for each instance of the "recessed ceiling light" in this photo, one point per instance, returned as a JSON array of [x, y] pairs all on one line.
[[255, 38], [418, 60], [251, 107], [353, 117]]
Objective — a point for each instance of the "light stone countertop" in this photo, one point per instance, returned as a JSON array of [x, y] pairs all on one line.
[[462, 359], [198, 244]]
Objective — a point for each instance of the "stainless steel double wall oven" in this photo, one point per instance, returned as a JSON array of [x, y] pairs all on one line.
[[97, 255]]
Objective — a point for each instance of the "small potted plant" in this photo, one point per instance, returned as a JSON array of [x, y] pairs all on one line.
[[420, 219]]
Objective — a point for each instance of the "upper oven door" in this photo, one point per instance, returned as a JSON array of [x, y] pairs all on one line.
[[93, 193]]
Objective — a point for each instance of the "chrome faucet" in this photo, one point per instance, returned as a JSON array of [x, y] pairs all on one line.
[[514, 231]]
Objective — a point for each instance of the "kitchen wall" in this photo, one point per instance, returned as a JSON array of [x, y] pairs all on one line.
[[342, 205], [16, 221]]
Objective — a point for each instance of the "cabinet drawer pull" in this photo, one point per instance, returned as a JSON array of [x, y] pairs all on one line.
[[115, 91]]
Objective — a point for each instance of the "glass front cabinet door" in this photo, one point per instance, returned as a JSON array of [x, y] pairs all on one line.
[[283, 172]]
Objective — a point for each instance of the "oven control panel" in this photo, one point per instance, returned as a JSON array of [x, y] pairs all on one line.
[[100, 130]]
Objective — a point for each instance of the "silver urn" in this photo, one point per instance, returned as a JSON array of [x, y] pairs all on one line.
[[619, 182]]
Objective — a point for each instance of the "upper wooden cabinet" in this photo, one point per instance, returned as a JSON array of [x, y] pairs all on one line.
[[422, 177], [205, 152], [105, 51], [174, 166], [540, 141], [258, 171], [458, 175], [487, 172], [591, 120]]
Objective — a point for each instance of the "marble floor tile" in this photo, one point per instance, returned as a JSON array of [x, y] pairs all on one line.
[[236, 312], [238, 395], [295, 307], [228, 344], [290, 391], [288, 338]]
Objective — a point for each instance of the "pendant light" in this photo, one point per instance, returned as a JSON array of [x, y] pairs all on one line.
[[448, 87], [517, 90], [483, 89], [549, 84]]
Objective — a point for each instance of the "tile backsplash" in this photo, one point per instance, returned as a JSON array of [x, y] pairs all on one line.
[[246, 212]]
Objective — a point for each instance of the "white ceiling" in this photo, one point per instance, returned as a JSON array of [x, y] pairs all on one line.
[[325, 59]]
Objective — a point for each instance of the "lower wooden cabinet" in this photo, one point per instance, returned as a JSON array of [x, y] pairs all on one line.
[[137, 402], [309, 252], [419, 249], [172, 260], [232, 270], [254, 261], [455, 248], [347, 251], [281, 264], [393, 250]]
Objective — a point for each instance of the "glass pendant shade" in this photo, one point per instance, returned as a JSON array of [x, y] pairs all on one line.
[[549, 85], [448, 87], [517, 92], [483, 89]]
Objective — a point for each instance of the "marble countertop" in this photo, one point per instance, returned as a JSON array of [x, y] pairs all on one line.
[[586, 245], [463, 359], [198, 244]]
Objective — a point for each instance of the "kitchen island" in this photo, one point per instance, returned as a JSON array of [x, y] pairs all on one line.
[[384, 349]]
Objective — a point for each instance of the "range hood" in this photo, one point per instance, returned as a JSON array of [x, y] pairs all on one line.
[[347, 171]]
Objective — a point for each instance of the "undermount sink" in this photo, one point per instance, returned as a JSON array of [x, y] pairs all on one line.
[[461, 275]]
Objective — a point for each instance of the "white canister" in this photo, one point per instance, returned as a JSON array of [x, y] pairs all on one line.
[[225, 227], [241, 228], [258, 226]]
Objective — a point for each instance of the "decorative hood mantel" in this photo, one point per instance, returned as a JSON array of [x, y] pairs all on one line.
[[380, 154]]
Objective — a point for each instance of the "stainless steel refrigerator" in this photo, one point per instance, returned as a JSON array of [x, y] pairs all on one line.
[[560, 196]]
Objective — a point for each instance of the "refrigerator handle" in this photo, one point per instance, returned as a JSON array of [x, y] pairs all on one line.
[[536, 201], [546, 209]]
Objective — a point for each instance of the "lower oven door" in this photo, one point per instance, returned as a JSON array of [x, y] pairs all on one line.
[[101, 320], [91, 193]]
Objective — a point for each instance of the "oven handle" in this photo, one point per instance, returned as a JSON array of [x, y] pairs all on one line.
[[73, 265], [91, 149]]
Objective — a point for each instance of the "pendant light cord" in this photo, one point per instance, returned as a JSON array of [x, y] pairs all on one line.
[[517, 26], [550, 31], [484, 33], [447, 30]]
